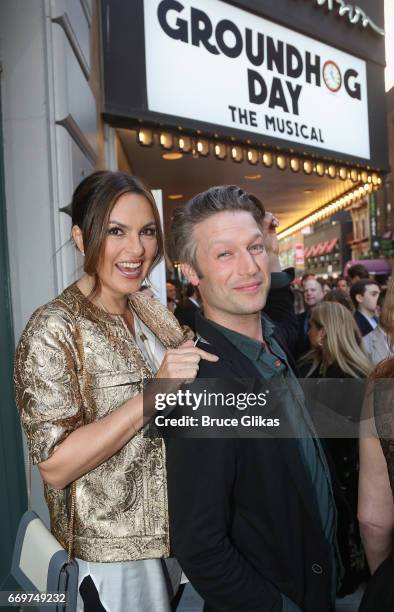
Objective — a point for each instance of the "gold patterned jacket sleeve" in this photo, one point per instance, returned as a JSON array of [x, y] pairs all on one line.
[[47, 380]]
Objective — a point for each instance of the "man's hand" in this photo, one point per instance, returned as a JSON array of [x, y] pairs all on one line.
[[271, 242]]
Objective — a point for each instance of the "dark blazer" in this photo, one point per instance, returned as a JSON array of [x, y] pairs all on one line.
[[363, 324], [244, 523], [185, 313]]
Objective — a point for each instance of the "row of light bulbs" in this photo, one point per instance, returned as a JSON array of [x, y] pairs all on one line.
[[186, 144], [333, 207]]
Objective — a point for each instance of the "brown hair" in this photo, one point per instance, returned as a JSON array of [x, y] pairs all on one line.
[[342, 343], [359, 288], [339, 296], [201, 207], [91, 206]]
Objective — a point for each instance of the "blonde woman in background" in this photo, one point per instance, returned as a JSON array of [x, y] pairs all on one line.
[[337, 353]]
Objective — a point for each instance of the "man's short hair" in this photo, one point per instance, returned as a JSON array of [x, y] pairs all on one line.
[[359, 289], [201, 207], [358, 270], [307, 276]]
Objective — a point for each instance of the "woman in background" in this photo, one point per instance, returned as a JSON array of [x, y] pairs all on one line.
[[337, 354], [81, 366], [376, 487]]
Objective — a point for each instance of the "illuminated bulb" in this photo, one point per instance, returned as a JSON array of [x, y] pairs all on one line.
[[145, 137], [253, 156], [166, 140], [203, 147], [236, 154], [185, 143]]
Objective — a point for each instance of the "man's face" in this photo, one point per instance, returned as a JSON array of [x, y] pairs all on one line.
[[370, 298], [233, 264], [313, 293], [343, 286]]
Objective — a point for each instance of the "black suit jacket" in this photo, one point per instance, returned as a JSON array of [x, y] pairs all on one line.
[[363, 324], [244, 523]]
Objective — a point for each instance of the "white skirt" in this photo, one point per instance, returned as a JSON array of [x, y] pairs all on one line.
[[138, 586]]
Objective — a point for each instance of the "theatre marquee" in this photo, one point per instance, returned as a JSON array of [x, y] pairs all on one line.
[[216, 67]]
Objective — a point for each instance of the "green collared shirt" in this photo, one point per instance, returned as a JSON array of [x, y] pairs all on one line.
[[273, 363]]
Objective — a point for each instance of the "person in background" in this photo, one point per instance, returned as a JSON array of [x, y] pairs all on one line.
[[185, 312], [336, 353], [171, 296], [380, 302], [341, 297], [364, 295], [378, 343], [341, 284], [313, 295], [325, 283], [299, 306], [306, 277], [376, 484], [147, 290], [80, 369], [357, 272]]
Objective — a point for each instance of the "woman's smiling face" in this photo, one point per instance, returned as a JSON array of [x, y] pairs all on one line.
[[130, 245]]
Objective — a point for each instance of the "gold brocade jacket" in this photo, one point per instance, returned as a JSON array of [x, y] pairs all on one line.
[[75, 364]]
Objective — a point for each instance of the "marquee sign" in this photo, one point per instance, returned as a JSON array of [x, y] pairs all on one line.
[[212, 62]]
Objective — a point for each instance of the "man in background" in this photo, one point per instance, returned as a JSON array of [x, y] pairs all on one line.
[[357, 272], [365, 294], [313, 295], [185, 312], [342, 284]]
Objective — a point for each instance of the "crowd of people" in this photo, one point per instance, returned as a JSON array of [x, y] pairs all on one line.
[[285, 523]]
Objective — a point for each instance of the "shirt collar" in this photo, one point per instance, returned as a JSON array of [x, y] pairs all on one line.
[[246, 345]]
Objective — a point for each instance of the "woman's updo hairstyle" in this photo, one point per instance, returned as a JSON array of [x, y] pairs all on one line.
[[91, 206]]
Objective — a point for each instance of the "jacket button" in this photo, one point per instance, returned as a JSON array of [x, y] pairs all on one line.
[[317, 569]]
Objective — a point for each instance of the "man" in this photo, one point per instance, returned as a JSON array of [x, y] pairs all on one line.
[[186, 312], [357, 272], [342, 284], [313, 295], [252, 521], [365, 294]]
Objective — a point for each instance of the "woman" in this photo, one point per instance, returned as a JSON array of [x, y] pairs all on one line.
[[376, 486], [377, 344], [337, 354], [81, 365]]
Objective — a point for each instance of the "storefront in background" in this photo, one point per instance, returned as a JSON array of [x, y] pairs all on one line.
[[285, 99]]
